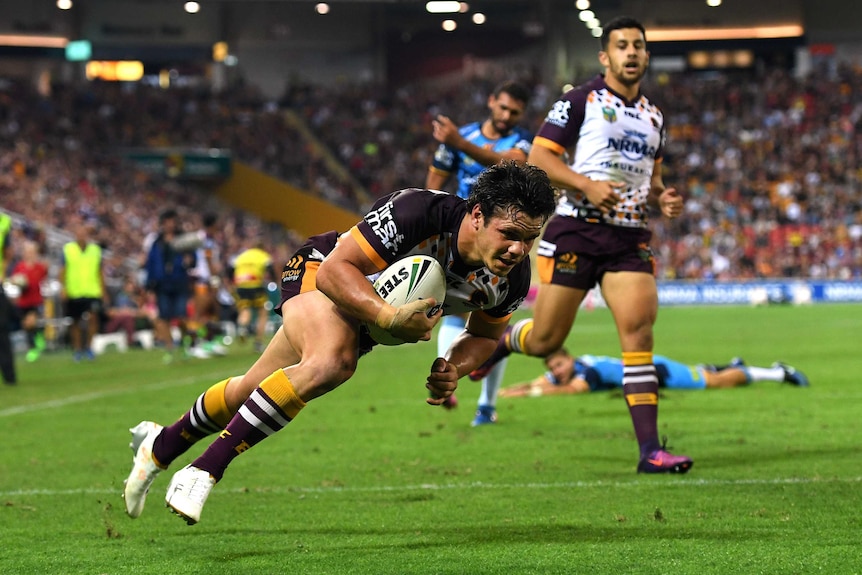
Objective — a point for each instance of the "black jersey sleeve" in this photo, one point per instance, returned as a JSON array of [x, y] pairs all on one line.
[[397, 223]]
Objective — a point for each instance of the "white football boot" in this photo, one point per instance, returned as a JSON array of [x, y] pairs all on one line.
[[144, 468], [188, 491]]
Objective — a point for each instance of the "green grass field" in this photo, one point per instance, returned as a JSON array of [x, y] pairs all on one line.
[[371, 480]]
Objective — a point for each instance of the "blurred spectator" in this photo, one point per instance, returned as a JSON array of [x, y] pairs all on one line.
[[207, 277], [83, 289], [28, 274], [126, 311], [251, 271], [168, 266]]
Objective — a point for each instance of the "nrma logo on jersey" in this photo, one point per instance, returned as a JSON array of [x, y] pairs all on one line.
[[633, 146]]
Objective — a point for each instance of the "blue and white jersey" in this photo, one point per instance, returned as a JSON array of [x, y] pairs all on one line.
[[602, 372], [448, 161], [613, 139]]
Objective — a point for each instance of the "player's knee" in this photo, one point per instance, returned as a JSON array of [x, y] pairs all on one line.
[[540, 347], [639, 339], [332, 372]]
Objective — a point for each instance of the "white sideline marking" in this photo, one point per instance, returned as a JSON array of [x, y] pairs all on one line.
[[84, 397], [472, 485]]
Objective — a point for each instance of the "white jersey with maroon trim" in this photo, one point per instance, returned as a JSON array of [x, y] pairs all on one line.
[[613, 139], [427, 222]]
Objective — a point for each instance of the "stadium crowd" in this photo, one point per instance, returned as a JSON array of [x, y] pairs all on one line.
[[769, 163]]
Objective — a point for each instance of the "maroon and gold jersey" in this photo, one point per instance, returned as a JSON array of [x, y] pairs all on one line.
[[415, 221]]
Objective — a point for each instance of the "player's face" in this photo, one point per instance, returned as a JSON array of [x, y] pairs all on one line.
[[626, 58], [561, 366], [506, 112], [505, 239]]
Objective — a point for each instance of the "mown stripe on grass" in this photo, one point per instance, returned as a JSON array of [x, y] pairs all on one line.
[[678, 482], [97, 395]]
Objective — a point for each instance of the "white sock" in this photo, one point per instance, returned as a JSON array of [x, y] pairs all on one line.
[[491, 384], [451, 327], [765, 373]]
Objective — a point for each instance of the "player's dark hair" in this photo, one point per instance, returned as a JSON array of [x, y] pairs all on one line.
[[209, 219], [512, 187], [168, 214], [619, 23], [517, 90]]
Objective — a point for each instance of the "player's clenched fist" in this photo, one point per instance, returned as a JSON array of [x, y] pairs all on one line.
[[442, 381]]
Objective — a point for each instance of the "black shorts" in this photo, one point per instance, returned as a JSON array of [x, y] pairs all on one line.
[[574, 253], [76, 308]]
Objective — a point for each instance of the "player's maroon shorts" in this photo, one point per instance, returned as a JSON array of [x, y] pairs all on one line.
[[300, 273], [576, 254]]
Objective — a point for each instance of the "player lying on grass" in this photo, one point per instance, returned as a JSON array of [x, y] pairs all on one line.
[[568, 374], [482, 242]]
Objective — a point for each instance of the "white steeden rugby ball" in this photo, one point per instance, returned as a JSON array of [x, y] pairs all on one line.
[[405, 281]]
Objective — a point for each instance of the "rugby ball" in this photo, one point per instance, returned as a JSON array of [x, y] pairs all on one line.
[[405, 281]]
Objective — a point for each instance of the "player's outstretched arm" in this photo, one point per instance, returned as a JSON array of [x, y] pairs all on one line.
[[476, 344]]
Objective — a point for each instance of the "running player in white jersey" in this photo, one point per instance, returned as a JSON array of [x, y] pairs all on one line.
[[612, 135]]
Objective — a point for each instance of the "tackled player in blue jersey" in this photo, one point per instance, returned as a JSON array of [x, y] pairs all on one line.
[[465, 152], [483, 244], [585, 373]]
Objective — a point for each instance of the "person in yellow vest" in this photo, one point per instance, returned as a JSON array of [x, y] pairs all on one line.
[[82, 282], [251, 270], [7, 356]]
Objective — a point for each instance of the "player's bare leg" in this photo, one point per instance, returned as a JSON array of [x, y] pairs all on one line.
[[324, 340], [633, 300]]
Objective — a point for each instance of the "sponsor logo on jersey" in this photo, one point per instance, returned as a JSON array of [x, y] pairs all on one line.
[[293, 269], [609, 114], [559, 113], [384, 227], [633, 146]]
